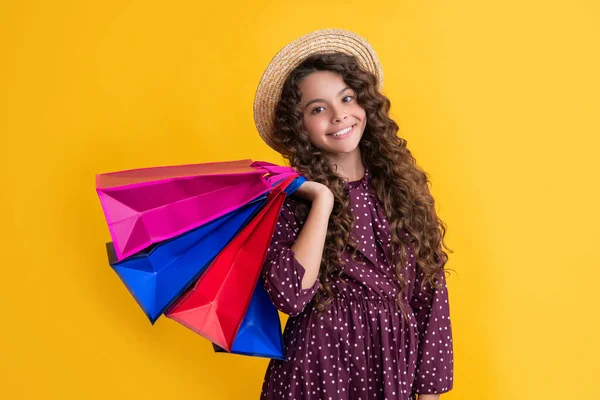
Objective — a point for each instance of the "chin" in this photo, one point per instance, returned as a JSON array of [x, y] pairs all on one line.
[[343, 149]]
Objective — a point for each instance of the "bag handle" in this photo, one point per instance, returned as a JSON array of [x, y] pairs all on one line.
[[281, 186], [272, 168], [275, 172]]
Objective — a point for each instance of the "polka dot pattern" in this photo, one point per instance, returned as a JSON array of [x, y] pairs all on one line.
[[361, 347]]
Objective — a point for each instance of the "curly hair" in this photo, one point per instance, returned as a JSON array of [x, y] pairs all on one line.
[[399, 184]]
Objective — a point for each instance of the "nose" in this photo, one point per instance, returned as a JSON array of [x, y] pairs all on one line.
[[339, 114]]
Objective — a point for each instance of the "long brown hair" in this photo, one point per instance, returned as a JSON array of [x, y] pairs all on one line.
[[399, 184]]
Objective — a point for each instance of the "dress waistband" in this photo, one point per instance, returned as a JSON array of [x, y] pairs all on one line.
[[361, 297]]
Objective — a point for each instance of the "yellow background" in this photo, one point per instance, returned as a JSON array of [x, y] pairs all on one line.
[[499, 102]]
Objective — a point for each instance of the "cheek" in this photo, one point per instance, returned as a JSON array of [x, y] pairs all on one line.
[[315, 127], [361, 113]]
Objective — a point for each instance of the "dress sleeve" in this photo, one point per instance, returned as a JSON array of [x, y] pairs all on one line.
[[435, 359], [282, 274]]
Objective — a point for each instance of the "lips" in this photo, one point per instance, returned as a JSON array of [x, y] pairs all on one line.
[[351, 129], [345, 135], [351, 126]]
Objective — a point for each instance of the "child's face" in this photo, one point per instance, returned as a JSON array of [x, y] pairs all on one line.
[[329, 106]]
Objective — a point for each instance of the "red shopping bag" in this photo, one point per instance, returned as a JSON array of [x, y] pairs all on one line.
[[215, 306]]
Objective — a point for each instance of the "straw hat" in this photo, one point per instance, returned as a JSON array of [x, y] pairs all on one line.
[[288, 58]]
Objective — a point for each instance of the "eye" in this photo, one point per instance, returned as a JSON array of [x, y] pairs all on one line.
[[314, 110]]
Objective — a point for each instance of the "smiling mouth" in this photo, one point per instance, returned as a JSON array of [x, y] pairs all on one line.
[[345, 131]]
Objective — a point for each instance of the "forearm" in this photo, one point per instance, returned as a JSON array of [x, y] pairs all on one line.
[[310, 242], [428, 397]]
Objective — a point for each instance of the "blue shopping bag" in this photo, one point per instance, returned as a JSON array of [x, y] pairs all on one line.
[[260, 332]]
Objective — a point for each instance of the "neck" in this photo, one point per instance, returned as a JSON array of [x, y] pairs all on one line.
[[348, 165]]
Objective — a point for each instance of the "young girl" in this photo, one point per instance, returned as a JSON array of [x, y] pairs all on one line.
[[356, 259]]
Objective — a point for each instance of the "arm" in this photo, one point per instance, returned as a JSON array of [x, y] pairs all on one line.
[[309, 244], [292, 264], [435, 362]]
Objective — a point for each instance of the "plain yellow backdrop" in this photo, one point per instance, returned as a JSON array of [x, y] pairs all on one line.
[[499, 102]]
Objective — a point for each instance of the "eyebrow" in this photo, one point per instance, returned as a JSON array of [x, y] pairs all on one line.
[[321, 100]]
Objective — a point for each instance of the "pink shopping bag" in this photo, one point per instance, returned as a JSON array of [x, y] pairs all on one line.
[[148, 205]]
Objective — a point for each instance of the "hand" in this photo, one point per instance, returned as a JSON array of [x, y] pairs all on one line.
[[315, 192]]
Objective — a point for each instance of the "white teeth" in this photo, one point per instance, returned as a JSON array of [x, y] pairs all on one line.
[[342, 132]]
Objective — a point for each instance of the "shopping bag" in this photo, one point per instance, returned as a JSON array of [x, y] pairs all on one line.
[[260, 332], [150, 205], [160, 274], [215, 305]]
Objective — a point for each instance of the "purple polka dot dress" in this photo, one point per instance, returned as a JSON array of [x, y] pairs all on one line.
[[361, 347]]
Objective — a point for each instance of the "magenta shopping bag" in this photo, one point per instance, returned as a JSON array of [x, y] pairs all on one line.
[[149, 205]]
